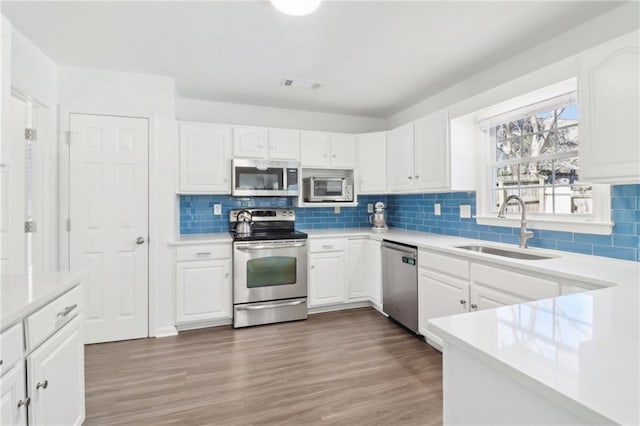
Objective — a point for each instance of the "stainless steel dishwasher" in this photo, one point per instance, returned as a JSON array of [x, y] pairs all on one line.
[[400, 283]]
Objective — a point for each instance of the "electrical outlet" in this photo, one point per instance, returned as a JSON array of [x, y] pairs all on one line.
[[436, 209], [370, 208], [336, 209], [465, 211], [217, 209]]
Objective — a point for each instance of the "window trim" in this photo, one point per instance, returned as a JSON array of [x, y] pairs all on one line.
[[599, 222]]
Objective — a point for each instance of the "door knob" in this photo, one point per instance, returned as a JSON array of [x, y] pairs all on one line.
[[139, 240]]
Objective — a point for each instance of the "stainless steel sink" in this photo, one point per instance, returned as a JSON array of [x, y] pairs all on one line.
[[505, 253]]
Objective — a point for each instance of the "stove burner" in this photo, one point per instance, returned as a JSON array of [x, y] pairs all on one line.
[[267, 224]]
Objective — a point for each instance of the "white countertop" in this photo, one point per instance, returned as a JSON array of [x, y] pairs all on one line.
[[21, 295], [188, 239]]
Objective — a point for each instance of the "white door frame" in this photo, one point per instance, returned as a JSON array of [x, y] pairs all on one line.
[[63, 120]]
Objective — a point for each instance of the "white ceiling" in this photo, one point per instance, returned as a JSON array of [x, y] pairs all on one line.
[[371, 58]]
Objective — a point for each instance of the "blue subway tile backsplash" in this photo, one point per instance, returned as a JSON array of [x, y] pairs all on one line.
[[415, 212]]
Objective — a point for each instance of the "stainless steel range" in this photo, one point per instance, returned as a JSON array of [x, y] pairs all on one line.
[[269, 267]]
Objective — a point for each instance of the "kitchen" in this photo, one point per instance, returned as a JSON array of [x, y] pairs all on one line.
[[168, 247]]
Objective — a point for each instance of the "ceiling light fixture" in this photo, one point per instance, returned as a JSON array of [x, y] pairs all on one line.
[[296, 7]]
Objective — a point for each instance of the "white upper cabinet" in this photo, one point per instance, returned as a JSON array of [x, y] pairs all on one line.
[[205, 158], [284, 144], [372, 163], [431, 151], [400, 158], [321, 149], [315, 148], [250, 142], [428, 155], [609, 97], [343, 150], [263, 143]]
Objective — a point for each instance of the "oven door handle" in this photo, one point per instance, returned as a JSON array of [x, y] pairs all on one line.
[[269, 246], [270, 306]]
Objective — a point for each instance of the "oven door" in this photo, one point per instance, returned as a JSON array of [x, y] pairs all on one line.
[[269, 270]]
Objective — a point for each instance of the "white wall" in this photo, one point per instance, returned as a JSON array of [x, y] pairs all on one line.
[[220, 112], [540, 66], [142, 95]]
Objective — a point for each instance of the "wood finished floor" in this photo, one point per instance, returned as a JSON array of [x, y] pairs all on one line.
[[342, 368]]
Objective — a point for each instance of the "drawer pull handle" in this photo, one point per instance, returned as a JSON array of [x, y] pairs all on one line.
[[24, 403], [327, 246], [203, 253], [66, 310], [42, 385], [1, 362]]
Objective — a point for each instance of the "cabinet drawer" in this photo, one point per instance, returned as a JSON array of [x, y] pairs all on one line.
[[444, 264], [524, 286], [210, 251], [11, 347], [51, 317], [327, 245]]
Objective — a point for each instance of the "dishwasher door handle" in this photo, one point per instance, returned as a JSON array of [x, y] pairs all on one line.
[[409, 252]]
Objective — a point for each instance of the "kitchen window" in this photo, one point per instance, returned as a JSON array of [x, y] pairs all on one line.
[[533, 151]]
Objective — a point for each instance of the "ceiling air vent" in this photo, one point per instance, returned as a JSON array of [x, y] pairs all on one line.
[[302, 84]]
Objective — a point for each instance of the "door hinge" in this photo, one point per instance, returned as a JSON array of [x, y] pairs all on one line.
[[30, 227], [68, 225], [30, 134]]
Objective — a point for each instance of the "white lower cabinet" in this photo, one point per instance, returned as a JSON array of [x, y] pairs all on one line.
[[327, 278], [13, 398], [439, 295], [55, 377], [449, 285], [203, 283], [364, 277]]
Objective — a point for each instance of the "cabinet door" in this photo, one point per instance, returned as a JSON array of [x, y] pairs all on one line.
[[440, 295], [400, 158], [315, 148], [250, 142], [284, 144], [343, 150], [56, 378], [372, 162], [203, 290], [373, 262], [205, 158], [327, 278], [12, 393], [431, 151], [609, 108], [357, 276], [486, 298]]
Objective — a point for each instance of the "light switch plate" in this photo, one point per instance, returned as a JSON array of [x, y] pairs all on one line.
[[217, 209], [436, 209], [370, 208], [465, 211]]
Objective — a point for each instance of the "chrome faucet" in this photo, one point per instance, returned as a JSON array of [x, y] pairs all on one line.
[[524, 233]]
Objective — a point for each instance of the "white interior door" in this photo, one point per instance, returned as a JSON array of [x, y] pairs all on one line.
[[109, 222], [13, 189]]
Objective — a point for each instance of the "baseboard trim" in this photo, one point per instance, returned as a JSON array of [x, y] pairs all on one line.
[[339, 307], [203, 324], [166, 332]]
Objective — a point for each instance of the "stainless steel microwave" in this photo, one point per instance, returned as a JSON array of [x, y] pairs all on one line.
[[328, 189], [250, 178]]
